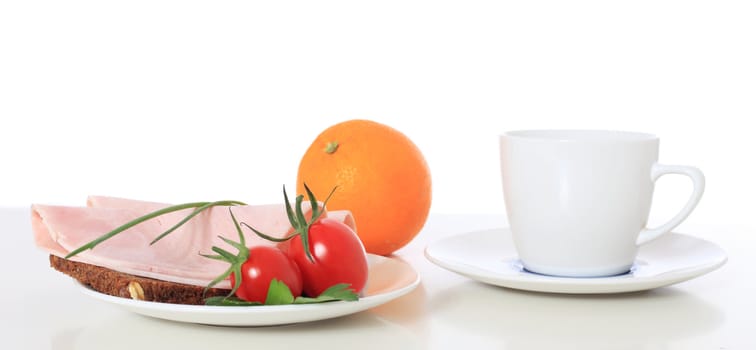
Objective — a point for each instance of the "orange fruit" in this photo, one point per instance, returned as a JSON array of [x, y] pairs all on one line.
[[381, 177]]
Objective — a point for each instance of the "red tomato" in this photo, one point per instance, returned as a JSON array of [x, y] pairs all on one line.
[[263, 265], [338, 257]]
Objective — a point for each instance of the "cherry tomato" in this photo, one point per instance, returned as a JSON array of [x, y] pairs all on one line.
[[263, 265], [338, 257]]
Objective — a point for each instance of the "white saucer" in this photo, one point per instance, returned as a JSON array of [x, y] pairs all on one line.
[[490, 257], [388, 279]]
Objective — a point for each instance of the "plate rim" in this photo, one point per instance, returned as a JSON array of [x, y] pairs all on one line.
[[523, 280]]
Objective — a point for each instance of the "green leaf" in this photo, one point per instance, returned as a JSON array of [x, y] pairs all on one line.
[[278, 293], [336, 292], [229, 301]]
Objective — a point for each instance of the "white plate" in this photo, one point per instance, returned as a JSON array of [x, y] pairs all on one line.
[[490, 257], [388, 279]]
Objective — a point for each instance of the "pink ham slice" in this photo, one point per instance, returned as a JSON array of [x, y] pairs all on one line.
[[176, 258]]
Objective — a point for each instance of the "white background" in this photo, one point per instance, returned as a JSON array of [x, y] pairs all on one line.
[[198, 100]]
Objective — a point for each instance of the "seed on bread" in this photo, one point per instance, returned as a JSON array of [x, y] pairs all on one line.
[[135, 290]]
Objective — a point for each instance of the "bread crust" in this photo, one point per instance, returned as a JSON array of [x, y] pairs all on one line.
[[124, 285]]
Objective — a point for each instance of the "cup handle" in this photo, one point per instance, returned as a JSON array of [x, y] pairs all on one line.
[[699, 182]]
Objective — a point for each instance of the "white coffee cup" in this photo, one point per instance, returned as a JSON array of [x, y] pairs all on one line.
[[578, 201]]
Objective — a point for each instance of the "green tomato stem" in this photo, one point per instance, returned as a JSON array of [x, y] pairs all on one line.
[[298, 220]]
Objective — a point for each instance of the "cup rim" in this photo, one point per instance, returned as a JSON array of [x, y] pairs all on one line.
[[579, 135]]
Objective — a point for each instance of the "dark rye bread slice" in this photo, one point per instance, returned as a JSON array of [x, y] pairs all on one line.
[[124, 285]]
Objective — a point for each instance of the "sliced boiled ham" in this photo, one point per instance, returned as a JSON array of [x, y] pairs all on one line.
[[176, 258]]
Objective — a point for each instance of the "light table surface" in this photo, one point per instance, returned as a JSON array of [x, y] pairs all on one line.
[[42, 309]]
